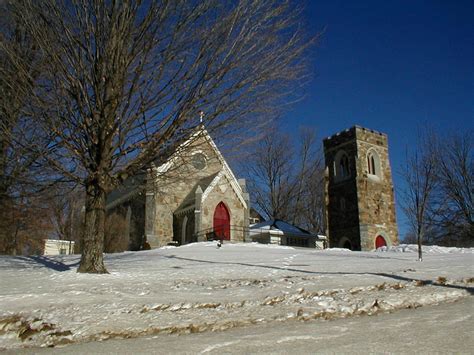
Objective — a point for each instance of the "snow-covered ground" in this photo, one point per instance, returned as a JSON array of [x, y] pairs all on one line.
[[199, 288], [447, 328]]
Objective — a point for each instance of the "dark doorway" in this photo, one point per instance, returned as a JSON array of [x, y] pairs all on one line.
[[347, 245]]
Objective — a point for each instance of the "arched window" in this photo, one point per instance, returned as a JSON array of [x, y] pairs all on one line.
[[373, 164], [344, 165], [183, 230], [341, 166], [345, 243]]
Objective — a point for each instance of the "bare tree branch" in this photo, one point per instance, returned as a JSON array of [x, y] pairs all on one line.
[[124, 82], [286, 179], [420, 178]]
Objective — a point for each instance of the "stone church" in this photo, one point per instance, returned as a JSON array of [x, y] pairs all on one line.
[[192, 197], [359, 202]]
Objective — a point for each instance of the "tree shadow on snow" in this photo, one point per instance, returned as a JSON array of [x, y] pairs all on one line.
[[47, 262], [380, 274]]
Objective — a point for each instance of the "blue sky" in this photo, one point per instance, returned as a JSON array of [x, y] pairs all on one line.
[[392, 66]]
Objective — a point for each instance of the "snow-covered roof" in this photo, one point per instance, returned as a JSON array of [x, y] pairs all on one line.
[[278, 226]]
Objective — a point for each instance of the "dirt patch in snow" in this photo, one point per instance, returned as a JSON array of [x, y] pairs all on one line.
[[184, 318]]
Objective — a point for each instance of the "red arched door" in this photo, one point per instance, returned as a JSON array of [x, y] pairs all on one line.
[[222, 222], [380, 242]]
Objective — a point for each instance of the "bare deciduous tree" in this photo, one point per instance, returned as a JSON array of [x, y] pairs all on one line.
[[269, 175], [440, 194], [312, 204], [65, 203], [124, 82], [309, 184], [29, 223], [21, 144], [452, 210], [419, 174], [286, 181]]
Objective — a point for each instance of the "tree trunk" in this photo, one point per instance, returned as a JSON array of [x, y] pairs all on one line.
[[7, 225], [419, 239], [92, 259]]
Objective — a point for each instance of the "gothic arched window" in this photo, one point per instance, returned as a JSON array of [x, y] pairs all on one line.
[[373, 164], [344, 162], [341, 166]]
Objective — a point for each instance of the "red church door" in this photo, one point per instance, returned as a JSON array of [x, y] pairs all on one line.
[[222, 222], [380, 242]]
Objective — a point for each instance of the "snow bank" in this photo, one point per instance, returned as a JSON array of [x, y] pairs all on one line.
[[427, 249], [259, 245], [227, 244]]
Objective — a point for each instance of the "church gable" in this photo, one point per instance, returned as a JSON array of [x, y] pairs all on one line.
[[195, 159], [225, 185], [222, 195], [181, 200], [197, 174], [196, 163]]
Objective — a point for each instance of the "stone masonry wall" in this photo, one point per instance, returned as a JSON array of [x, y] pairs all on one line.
[[342, 216], [360, 207], [224, 192], [375, 193], [132, 211], [175, 188], [171, 189], [178, 221]]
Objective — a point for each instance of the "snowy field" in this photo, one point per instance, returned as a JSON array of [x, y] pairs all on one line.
[[201, 289]]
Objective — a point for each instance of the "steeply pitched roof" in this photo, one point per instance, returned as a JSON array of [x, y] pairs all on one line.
[[120, 196], [202, 132]]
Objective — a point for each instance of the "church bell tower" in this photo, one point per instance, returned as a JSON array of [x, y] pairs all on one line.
[[359, 201]]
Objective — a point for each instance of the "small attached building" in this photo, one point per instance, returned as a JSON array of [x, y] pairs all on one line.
[[282, 233]]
